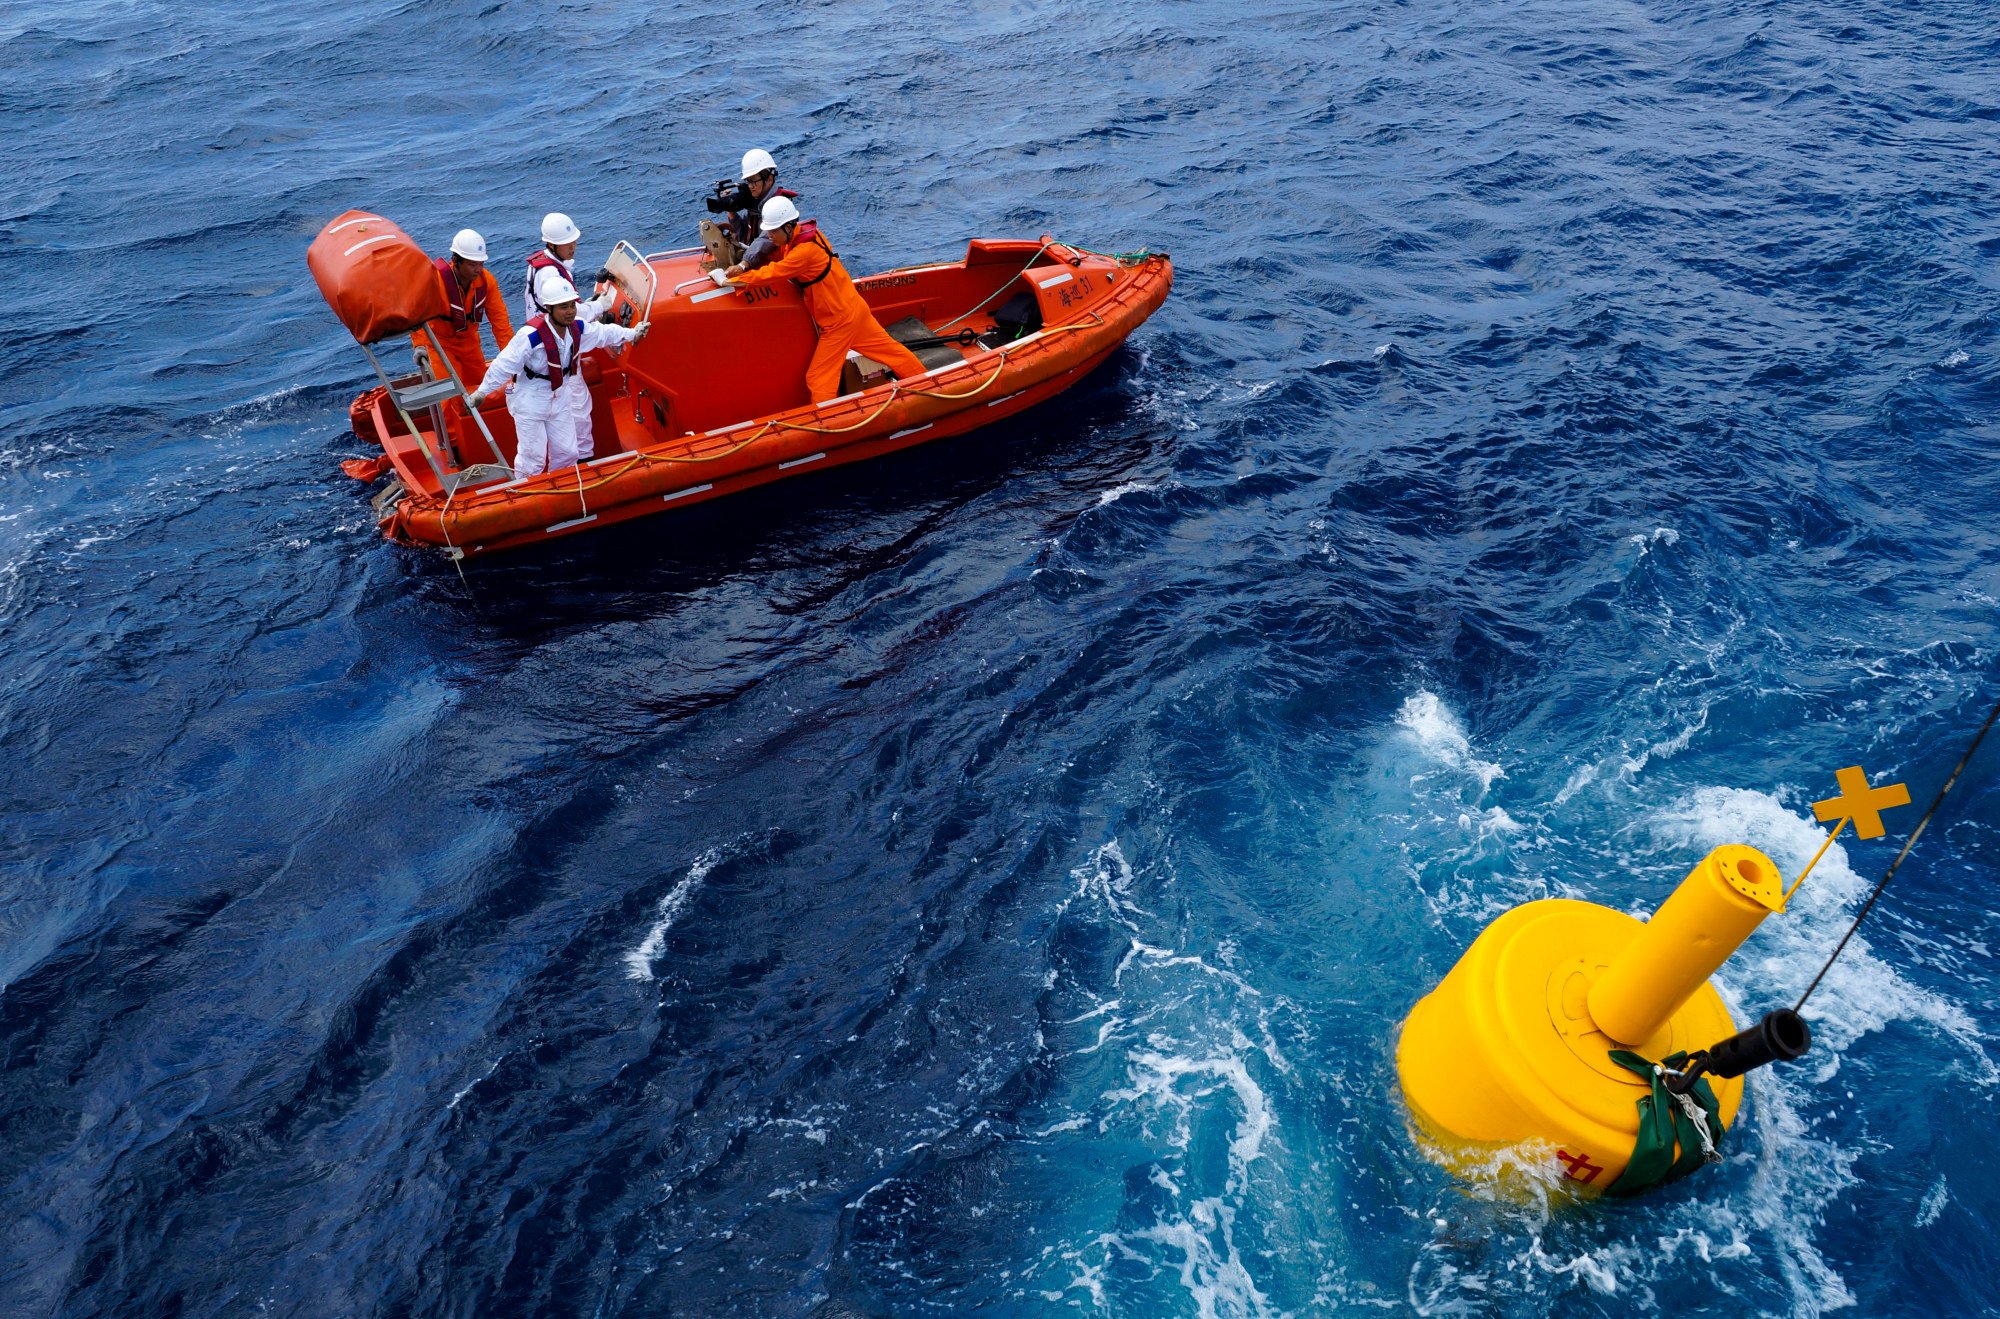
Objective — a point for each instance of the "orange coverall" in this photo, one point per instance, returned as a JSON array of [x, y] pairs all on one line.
[[469, 356], [841, 317]]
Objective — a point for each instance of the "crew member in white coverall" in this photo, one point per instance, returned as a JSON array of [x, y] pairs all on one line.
[[549, 393], [548, 267]]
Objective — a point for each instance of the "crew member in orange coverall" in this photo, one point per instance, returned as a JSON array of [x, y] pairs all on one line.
[[473, 295], [841, 317]]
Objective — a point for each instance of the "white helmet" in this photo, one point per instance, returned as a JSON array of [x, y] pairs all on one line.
[[469, 244], [558, 292], [559, 228], [778, 212], [756, 161]]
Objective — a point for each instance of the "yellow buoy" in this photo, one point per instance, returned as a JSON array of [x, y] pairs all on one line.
[[1509, 1058]]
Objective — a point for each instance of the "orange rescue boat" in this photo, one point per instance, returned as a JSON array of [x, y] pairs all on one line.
[[713, 400]]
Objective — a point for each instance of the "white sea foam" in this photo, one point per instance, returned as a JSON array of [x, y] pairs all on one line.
[[264, 402], [1322, 543], [1934, 1203], [639, 961], [1118, 492], [1440, 735], [1191, 1051], [1668, 746], [1959, 357], [1198, 1234], [1601, 1269], [1432, 801], [1106, 878], [813, 1128], [472, 1085], [1175, 1087], [1797, 1176], [1172, 406], [1644, 543], [1581, 778], [1687, 716], [1212, 1271]]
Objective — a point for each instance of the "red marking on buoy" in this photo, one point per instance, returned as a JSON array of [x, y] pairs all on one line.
[[1581, 1169]]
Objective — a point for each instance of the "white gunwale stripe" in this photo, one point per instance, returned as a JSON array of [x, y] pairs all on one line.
[[573, 522], [801, 462], [712, 293], [897, 435], [691, 490]]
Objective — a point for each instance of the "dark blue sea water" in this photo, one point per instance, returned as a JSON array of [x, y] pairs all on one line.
[[990, 881]]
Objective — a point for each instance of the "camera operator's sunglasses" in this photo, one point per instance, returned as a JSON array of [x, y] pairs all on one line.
[[766, 175]]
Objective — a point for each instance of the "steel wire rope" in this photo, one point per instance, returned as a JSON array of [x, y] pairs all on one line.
[[1890, 873]]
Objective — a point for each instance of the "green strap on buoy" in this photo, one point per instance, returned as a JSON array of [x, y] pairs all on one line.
[[1664, 1127]]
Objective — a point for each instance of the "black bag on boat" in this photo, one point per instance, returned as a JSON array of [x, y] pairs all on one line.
[[1015, 318]]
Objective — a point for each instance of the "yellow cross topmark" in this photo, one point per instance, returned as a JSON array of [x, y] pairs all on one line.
[[1860, 803]]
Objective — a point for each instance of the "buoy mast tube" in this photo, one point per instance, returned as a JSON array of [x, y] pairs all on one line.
[[1687, 940]]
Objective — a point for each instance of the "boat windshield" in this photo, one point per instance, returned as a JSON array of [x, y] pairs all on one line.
[[634, 276]]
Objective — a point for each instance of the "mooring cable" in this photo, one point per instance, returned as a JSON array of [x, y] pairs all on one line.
[[1890, 873]]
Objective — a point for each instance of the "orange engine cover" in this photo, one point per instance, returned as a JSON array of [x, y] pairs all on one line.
[[375, 277]]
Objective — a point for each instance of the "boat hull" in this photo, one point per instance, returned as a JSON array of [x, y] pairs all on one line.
[[649, 473]]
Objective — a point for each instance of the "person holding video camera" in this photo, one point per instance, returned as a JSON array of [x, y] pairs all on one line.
[[744, 202]]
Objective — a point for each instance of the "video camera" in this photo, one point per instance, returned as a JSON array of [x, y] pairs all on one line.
[[729, 195]]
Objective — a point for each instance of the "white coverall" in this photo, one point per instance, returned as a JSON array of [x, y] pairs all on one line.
[[545, 420], [587, 311]]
